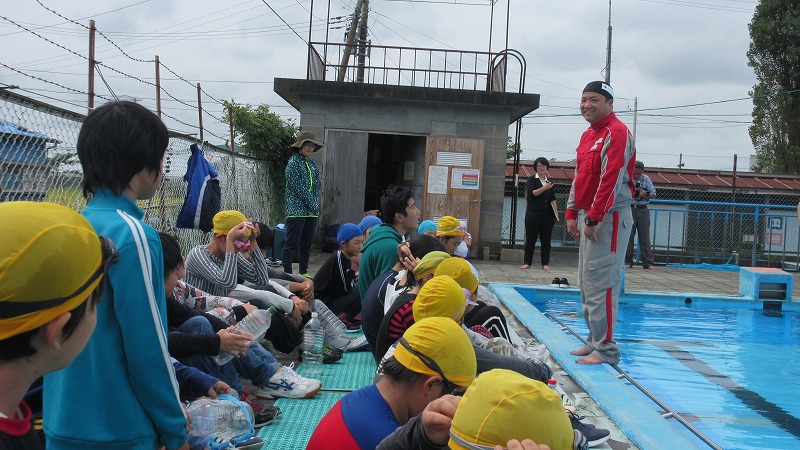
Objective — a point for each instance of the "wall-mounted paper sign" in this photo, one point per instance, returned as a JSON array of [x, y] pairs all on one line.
[[465, 179], [437, 180]]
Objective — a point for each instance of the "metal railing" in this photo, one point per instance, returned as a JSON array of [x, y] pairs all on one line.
[[668, 412], [415, 66], [693, 232]]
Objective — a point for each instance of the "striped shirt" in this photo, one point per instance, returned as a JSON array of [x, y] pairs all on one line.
[[219, 276]]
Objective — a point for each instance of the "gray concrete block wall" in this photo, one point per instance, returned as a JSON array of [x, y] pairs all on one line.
[[488, 124]]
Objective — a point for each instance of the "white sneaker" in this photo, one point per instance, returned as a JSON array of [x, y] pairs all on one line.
[[359, 343], [336, 340], [536, 353], [287, 383]]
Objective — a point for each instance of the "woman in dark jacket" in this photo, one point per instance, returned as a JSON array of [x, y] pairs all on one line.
[[541, 213]]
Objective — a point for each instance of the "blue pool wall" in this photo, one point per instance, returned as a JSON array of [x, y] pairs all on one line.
[[635, 415]]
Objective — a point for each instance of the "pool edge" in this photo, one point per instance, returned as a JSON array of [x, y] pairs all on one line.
[[638, 420]]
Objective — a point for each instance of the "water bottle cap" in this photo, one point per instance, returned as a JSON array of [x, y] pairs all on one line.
[[314, 315], [552, 381]]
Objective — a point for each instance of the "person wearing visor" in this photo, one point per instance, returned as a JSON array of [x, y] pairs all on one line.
[[433, 358], [43, 325], [501, 409]]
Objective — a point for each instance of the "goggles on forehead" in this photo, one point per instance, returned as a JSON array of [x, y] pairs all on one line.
[[431, 364], [16, 309]]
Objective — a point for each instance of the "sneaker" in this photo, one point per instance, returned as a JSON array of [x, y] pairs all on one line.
[[307, 275], [276, 263], [330, 355], [336, 340], [358, 344], [289, 384], [353, 326], [595, 436], [535, 353], [264, 413], [563, 283], [253, 443], [556, 282]]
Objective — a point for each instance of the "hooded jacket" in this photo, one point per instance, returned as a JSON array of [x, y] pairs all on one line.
[[302, 187], [378, 255]]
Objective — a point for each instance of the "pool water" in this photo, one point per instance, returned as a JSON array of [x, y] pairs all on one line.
[[730, 369]]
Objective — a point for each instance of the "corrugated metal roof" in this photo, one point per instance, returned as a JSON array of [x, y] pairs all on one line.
[[7, 127], [678, 179]]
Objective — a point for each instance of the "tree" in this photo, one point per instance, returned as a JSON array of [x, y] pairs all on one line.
[[775, 57], [511, 149], [262, 134]]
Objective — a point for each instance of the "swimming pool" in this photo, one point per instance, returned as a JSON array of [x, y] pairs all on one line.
[[730, 369]]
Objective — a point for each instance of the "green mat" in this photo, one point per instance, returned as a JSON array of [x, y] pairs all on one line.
[[296, 424], [354, 371]]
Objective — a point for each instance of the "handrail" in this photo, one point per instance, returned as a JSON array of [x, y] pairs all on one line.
[[670, 413]]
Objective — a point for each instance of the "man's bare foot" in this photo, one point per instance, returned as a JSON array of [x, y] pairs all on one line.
[[591, 358], [583, 351], [546, 267], [525, 266]]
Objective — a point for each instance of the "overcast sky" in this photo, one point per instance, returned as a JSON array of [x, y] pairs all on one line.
[[670, 54]]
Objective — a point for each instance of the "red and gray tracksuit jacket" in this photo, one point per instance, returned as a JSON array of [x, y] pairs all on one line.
[[603, 171]]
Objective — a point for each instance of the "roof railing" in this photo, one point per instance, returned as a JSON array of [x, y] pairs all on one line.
[[415, 66]]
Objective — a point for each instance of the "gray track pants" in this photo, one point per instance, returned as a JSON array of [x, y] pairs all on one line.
[[599, 276]]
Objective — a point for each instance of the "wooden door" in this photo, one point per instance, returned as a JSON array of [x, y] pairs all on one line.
[[453, 182], [344, 176]]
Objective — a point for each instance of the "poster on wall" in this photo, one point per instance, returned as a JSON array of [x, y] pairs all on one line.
[[465, 179], [437, 180]]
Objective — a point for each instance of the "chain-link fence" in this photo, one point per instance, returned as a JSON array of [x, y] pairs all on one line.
[[696, 224], [38, 162]]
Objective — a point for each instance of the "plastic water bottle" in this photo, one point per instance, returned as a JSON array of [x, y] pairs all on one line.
[[222, 418], [313, 343], [553, 383], [256, 324], [328, 319]]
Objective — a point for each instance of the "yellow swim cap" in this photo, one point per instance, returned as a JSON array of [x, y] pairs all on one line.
[[440, 297], [438, 342], [225, 221], [50, 262], [502, 405]]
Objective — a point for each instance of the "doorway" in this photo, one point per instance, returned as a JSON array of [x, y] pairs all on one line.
[[393, 159]]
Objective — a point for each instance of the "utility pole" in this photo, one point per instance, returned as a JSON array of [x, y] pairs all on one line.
[[348, 44], [233, 156], [362, 41], [91, 66], [608, 47], [158, 86], [200, 112], [635, 115]]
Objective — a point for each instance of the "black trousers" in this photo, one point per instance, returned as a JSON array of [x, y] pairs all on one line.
[[299, 235], [349, 304], [538, 225], [489, 317]]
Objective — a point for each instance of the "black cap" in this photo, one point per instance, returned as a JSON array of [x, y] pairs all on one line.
[[601, 88]]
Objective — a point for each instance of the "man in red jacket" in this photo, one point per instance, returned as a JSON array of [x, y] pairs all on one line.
[[599, 218]]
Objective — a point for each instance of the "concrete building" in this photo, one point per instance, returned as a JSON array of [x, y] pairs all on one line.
[[446, 141]]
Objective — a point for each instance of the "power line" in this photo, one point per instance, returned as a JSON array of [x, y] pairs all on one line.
[[49, 82], [279, 17]]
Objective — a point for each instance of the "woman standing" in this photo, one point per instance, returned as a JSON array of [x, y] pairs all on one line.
[[302, 202], [541, 213]]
